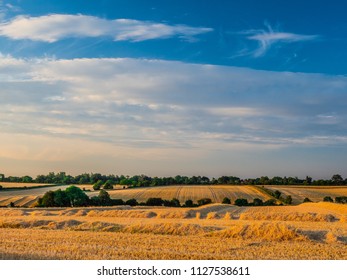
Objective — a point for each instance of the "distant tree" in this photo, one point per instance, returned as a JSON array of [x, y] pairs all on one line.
[[76, 196], [189, 203], [97, 185], [241, 202], [328, 199], [337, 179], [306, 199], [175, 202], [12, 204], [154, 201], [61, 199], [131, 202], [117, 202], [258, 202], [341, 199], [108, 185], [104, 198], [270, 202], [48, 199], [0, 187], [226, 200], [204, 201], [277, 194], [288, 199]]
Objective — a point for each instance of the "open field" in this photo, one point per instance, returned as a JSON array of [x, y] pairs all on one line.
[[28, 197], [216, 231], [314, 193], [21, 185], [216, 193]]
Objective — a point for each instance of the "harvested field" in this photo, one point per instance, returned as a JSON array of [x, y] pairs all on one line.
[[21, 185], [215, 231], [314, 193], [183, 193]]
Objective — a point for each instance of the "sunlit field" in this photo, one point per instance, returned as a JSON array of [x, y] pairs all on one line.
[[215, 231], [28, 197]]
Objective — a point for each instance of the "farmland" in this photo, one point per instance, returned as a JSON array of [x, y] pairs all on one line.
[[215, 231], [26, 197]]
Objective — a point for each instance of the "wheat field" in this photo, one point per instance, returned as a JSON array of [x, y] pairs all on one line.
[[314, 193], [28, 197], [216, 231]]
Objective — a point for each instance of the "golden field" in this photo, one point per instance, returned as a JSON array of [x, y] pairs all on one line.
[[215, 231], [28, 197]]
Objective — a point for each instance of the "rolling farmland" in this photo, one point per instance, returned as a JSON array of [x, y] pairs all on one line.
[[215, 231], [26, 197], [314, 193], [183, 193]]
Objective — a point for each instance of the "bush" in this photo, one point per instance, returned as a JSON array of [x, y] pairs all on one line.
[[97, 185], [189, 203], [328, 199], [288, 199], [306, 199], [241, 202], [108, 185], [270, 202], [131, 202], [204, 201], [104, 198], [341, 199], [117, 202], [226, 200], [0, 187], [258, 202], [277, 194], [154, 201]]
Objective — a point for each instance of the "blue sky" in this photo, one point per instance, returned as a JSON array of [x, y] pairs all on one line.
[[245, 88]]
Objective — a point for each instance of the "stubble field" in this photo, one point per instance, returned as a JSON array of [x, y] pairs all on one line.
[[216, 231]]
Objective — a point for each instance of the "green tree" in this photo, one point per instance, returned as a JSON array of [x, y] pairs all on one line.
[[204, 201], [257, 202], [154, 201], [131, 202], [76, 196], [241, 202], [108, 185], [189, 203], [104, 198], [306, 199], [328, 199], [277, 194], [288, 199], [337, 179], [97, 185], [48, 199], [61, 199], [226, 200]]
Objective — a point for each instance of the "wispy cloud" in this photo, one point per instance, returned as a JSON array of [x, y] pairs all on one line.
[[269, 37], [51, 28]]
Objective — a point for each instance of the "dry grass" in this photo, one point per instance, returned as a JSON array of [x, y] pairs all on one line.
[[210, 232], [21, 185], [314, 193], [183, 193]]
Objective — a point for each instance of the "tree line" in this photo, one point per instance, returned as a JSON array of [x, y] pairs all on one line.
[[75, 197], [144, 180]]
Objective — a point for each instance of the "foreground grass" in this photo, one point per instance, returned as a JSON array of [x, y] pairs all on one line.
[[308, 231]]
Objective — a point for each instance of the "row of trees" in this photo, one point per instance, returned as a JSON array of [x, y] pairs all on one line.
[[143, 180], [75, 197]]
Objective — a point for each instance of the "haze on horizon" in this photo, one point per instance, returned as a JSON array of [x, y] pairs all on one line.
[[199, 88]]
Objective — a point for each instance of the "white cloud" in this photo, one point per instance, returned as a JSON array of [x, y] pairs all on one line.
[[51, 28], [152, 109], [268, 37]]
